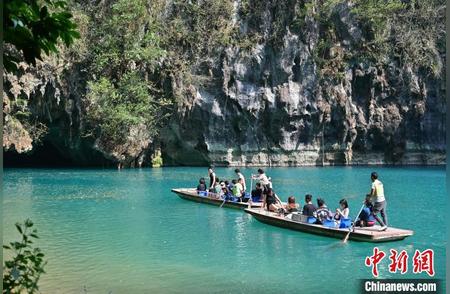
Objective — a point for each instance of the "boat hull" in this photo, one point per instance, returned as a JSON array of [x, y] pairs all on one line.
[[359, 234], [191, 194]]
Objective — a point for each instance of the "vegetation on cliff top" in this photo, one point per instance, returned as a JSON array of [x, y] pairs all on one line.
[[121, 95], [407, 32]]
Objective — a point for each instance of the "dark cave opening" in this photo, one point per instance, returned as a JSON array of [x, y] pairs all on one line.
[[47, 154], [42, 155]]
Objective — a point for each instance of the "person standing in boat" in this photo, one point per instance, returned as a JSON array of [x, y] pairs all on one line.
[[263, 179], [212, 179], [241, 176], [379, 201]]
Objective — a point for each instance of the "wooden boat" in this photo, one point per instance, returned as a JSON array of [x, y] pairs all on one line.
[[367, 234], [192, 195]]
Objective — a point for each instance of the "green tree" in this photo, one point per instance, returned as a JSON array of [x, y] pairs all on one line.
[[22, 272], [33, 26], [122, 98], [116, 109]]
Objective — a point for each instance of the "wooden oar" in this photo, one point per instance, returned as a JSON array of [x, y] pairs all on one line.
[[352, 225], [250, 199], [224, 199]]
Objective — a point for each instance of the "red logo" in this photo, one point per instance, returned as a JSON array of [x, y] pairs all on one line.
[[398, 262], [423, 262], [373, 260]]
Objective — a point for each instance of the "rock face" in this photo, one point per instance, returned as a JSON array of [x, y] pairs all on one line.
[[274, 108], [268, 105]]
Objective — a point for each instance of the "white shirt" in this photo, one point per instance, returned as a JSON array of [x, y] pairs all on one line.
[[345, 212], [241, 176], [378, 191], [263, 179]]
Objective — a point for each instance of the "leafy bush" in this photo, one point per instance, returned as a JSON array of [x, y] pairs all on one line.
[[121, 96], [157, 161], [123, 39], [115, 110], [21, 273]]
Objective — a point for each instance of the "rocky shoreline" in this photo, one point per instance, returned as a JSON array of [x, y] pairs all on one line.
[[312, 158]]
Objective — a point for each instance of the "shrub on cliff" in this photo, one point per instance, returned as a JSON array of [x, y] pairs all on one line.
[[114, 109], [123, 105]]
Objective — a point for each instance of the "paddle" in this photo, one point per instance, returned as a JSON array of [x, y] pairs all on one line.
[[352, 225], [250, 199], [224, 199]]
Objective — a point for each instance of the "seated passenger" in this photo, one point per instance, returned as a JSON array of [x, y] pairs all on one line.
[[202, 185], [237, 189], [218, 190], [308, 208], [272, 202], [217, 187], [366, 218], [322, 213], [343, 211], [229, 185], [225, 192], [291, 206], [257, 193]]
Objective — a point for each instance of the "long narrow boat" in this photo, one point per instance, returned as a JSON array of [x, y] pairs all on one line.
[[367, 234], [192, 195]]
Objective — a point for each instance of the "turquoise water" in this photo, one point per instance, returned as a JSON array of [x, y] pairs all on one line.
[[109, 231]]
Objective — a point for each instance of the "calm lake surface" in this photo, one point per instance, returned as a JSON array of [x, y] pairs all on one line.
[[109, 231]]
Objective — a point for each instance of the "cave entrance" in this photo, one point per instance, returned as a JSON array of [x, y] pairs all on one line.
[[42, 155]]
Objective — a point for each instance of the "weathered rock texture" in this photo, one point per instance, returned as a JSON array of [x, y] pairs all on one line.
[[273, 107], [267, 105]]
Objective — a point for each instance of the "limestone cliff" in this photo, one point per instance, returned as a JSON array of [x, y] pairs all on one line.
[[272, 103], [274, 107]]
